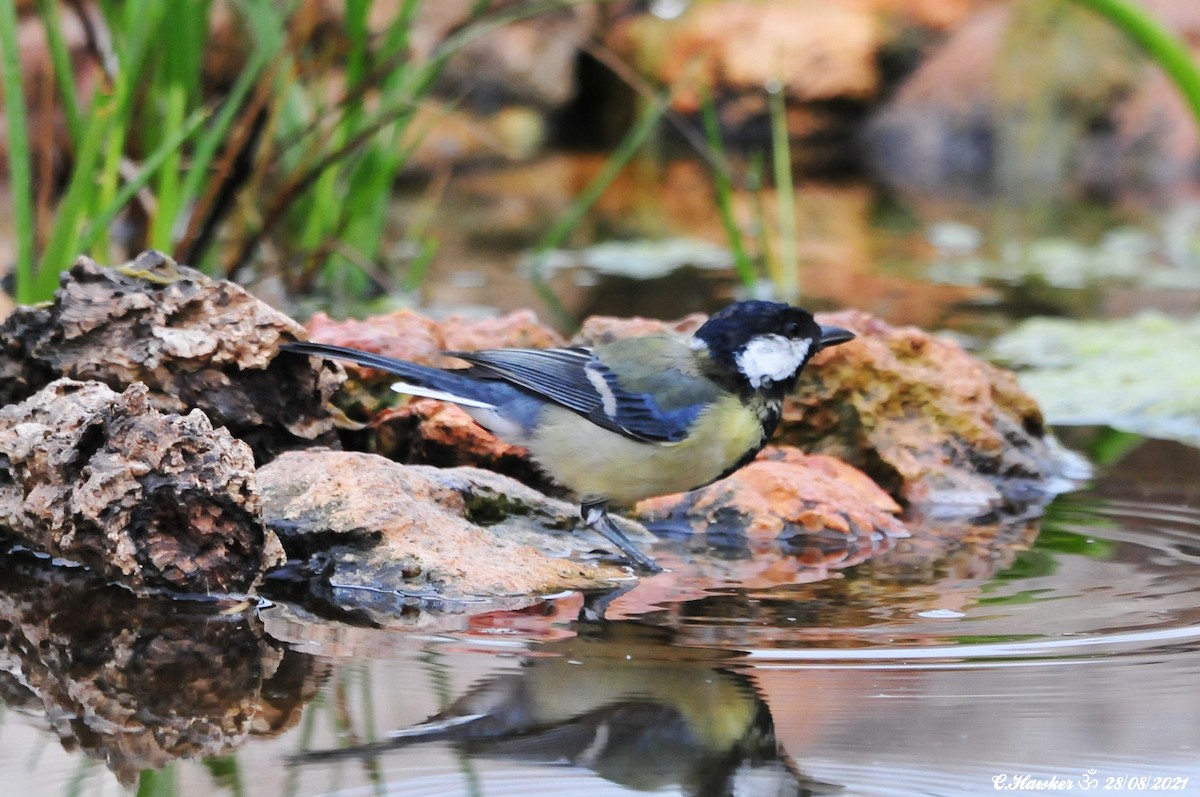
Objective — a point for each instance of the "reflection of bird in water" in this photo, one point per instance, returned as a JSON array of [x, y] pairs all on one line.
[[612, 701]]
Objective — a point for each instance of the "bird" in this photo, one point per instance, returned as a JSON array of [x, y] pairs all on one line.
[[634, 418]]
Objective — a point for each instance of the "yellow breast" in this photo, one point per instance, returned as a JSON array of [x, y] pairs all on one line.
[[599, 464]]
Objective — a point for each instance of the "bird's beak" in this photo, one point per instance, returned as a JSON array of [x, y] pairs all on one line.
[[832, 336]]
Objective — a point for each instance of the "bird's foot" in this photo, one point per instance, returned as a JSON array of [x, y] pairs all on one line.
[[597, 519]]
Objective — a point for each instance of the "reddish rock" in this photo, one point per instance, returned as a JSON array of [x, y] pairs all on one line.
[[795, 518], [599, 329], [815, 50], [427, 532], [785, 493], [428, 432], [403, 334], [930, 422], [407, 335], [520, 329], [829, 60]]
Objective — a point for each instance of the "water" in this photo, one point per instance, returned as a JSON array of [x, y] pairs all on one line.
[[971, 267], [1071, 659], [1033, 656]]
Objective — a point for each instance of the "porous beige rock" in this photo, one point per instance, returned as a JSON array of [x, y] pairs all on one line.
[[139, 496], [194, 342], [429, 532]]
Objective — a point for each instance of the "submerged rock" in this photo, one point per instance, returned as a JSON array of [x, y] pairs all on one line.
[[424, 532], [934, 425], [194, 342], [141, 497]]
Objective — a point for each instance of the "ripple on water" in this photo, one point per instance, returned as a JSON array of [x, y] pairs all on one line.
[[1077, 657], [1103, 577]]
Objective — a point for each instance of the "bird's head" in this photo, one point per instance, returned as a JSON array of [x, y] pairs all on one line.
[[764, 345]]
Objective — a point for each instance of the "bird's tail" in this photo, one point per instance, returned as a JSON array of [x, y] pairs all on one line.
[[418, 380]]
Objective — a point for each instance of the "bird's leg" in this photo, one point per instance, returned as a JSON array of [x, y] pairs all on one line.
[[595, 515]]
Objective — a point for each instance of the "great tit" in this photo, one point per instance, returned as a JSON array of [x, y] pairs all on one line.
[[635, 418]]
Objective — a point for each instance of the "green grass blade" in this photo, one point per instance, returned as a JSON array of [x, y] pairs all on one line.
[[20, 160], [141, 23], [620, 157], [785, 198], [558, 233], [419, 267], [724, 192], [178, 64], [166, 152], [158, 782], [357, 33], [169, 196], [1167, 49], [754, 184], [64, 74], [63, 243], [268, 31]]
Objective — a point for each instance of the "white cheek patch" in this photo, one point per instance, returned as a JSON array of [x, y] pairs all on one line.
[[771, 358]]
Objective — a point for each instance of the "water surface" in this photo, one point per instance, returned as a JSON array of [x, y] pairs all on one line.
[[1071, 656]]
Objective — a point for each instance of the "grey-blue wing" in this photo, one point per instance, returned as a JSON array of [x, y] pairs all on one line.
[[576, 379]]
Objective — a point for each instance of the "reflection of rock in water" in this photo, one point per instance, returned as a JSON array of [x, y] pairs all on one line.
[[140, 681], [612, 701]]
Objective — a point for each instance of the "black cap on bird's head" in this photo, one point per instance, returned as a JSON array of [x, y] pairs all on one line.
[[766, 344]]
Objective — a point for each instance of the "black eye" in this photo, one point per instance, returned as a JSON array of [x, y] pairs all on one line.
[[791, 329]]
